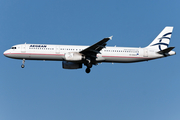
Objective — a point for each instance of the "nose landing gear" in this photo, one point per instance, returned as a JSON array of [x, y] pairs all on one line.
[[22, 66]]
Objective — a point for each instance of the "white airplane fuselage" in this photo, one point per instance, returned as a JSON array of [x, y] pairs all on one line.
[[74, 56], [57, 53]]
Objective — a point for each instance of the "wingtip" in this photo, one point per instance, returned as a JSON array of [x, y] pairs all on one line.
[[110, 37]]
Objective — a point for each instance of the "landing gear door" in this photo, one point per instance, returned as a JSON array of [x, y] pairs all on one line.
[[23, 48], [145, 53]]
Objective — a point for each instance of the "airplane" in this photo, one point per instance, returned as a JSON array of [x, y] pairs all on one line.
[[74, 56]]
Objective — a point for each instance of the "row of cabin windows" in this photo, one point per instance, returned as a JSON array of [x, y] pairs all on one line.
[[35, 48], [121, 51], [41, 48], [70, 49], [104, 50], [81, 49]]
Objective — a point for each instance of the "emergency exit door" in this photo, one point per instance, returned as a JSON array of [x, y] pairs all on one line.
[[23, 48], [145, 52], [57, 49]]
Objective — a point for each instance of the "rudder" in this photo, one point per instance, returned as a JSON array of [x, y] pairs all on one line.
[[162, 40]]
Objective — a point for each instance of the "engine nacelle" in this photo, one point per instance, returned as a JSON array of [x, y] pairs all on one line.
[[71, 65], [73, 56]]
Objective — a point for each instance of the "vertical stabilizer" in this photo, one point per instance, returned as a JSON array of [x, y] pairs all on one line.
[[162, 40]]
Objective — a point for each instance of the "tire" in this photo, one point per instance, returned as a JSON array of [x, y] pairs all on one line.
[[22, 66], [88, 70]]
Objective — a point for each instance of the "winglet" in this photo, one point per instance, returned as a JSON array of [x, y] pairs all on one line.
[[110, 37]]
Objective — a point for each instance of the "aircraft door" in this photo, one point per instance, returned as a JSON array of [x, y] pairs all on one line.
[[57, 49], [23, 48], [145, 52]]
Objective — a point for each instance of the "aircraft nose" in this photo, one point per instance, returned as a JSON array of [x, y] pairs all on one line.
[[6, 53]]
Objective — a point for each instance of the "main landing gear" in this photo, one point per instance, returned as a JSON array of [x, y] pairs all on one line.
[[22, 66], [89, 65], [88, 70]]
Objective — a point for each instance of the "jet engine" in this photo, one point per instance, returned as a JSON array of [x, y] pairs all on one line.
[[71, 65], [73, 56]]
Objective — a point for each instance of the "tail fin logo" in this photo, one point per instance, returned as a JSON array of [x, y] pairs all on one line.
[[161, 39]]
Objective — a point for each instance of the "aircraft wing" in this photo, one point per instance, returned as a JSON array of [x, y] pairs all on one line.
[[93, 50]]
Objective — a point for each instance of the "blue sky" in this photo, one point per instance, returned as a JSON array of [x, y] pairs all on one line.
[[43, 90]]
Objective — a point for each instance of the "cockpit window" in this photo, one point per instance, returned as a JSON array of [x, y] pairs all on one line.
[[13, 47]]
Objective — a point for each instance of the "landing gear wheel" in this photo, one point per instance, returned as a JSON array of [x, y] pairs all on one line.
[[88, 70], [22, 66]]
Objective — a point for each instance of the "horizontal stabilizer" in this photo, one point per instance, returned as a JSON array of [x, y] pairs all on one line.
[[167, 50]]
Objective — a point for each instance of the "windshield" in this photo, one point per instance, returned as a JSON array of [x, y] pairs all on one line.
[[13, 47]]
